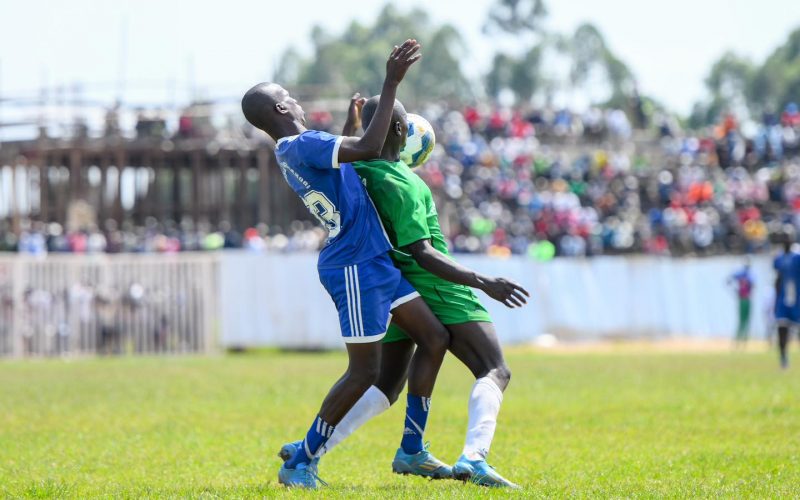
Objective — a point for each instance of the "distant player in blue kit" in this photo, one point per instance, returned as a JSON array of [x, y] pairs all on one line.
[[354, 266], [787, 270]]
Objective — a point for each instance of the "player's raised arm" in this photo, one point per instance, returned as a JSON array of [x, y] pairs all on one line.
[[353, 122], [508, 292], [369, 145]]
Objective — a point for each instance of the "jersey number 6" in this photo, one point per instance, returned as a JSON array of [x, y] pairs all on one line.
[[322, 208]]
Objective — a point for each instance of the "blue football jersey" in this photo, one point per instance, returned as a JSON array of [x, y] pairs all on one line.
[[788, 268], [334, 194]]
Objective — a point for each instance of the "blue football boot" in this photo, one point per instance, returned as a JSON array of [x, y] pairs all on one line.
[[302, 476], [289, 449], [420, 464], [481, 473]]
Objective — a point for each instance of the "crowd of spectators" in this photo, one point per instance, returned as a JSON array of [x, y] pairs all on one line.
[[543, 182], [600, 190], [159, 237]]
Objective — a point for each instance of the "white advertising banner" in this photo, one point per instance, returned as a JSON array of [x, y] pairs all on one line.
[[277, 300]]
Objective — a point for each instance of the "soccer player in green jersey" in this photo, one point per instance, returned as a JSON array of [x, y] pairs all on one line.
[[406, 208]]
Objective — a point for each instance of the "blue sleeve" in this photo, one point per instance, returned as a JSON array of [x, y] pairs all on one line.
[[318, 149]]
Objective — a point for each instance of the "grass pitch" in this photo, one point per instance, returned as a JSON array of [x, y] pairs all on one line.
[[624, 424]]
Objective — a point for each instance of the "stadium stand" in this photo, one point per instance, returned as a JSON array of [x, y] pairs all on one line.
[[507, 181]]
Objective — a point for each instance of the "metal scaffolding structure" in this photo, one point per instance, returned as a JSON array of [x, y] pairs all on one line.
[[129, 180]]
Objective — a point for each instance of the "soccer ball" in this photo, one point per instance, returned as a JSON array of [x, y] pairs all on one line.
[[419, 143]]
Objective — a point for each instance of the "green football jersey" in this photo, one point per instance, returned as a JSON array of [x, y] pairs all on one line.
[[405, 206]]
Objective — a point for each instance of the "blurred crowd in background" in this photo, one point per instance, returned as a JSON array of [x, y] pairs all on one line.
[[537, 182], [162, 237], [585, 184]]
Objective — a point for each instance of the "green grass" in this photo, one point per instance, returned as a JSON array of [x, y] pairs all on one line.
[[572, 425]]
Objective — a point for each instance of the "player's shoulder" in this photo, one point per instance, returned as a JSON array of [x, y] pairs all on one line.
[[317, 134], [284, 143], [417, 178], [402, 177], [378, 163], [396, 189], [374, 163], [304, 137], [401, 171], [421, 185], [390, 170]]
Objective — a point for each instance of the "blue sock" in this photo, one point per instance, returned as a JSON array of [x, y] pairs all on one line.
[[416, 419], [318, 434]]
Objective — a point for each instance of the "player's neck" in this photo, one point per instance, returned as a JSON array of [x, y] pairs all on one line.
[[390, 152], [288, 129]]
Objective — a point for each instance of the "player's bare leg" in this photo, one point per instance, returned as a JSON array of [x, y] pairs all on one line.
[[783, 345], [395, 361], [476, 345], [364, 361], [401, 361], [432, 339], [362, 371]]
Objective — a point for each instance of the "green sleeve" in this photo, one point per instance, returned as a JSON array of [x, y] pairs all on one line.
[[399, 201]]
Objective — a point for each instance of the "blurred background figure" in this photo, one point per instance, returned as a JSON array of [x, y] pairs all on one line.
[[743, 283], [787, 308]]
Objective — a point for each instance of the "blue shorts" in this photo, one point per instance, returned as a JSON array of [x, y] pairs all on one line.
[[365, 295], [785, 314]]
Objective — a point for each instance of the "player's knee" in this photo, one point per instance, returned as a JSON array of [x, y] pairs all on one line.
[[391, 384], [501, 375], [393, 394], [437, 341], [506, 374], [364, 376]]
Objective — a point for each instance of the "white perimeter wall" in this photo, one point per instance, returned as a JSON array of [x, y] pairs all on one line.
[[277, 300]]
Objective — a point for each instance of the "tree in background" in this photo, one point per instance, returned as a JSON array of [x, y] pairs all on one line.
[[355, 59], [728, 84], [522, 75], [341, 63], [591, 62], [737, 84], [517, 17], [777, 81]]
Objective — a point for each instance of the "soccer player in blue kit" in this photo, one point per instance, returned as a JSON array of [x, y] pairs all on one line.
[[787, 307], [354, 266]]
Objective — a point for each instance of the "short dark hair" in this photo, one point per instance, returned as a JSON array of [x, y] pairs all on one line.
[[255, 102], [368, 111]]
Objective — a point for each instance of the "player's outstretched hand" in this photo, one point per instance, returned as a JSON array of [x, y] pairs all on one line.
[[510, 293], [401, 59]]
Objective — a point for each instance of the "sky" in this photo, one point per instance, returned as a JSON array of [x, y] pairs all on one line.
[[166, 50]]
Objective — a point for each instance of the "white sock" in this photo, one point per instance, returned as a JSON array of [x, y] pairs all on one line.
[[371, 404], [484, 405]]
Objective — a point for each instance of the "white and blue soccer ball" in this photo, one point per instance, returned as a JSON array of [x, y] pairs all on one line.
[[419, 143]]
